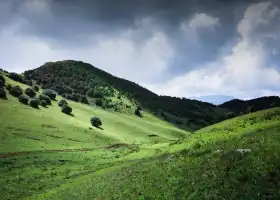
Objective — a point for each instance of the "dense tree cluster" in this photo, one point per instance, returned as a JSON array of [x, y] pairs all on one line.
[[19, 78]]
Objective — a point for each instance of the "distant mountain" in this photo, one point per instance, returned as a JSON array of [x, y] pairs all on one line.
[[214, 99], [240, 107]]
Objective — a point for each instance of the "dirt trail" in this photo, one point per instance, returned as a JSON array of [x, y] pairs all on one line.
[[22, 153]]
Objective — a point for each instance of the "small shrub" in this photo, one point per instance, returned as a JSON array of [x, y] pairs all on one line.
[[62, 102], [50, 93], [3, 93], [99, 102], [66, 109], [36, 88], [34, 103], [2, 79], [23, 99], [138, 113], [46, 98], [30, 92], [43, 103], [16, 91], [9, 87], [95, 121]]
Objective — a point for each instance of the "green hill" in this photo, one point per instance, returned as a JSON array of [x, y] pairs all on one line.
[[47, 154], [73, 78], [43, 148], [235, 159]]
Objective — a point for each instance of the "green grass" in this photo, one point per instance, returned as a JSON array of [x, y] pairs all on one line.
[[43, 148], [209, 167], [45, 154]]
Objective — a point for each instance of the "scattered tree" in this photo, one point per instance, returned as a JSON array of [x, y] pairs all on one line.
[[66, 109], [50, 93], [43, 103], [36, 88], [23, 99], [16, 91], [46, 98], [9, 87], [3, 93], [34, 103], [99, 102], [30, 92], [2, 79], [95, 121], [62, 102], [138, 113]]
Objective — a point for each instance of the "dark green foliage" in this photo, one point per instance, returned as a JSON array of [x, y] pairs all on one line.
[[50, 93], [95, 94], [230, 115], [9, 87], [34, 103], [16, 91], [99, 102], [2, 81], [19, 78], [62, 102], [36, 88], [66, 109], [95, 121], [46, 98], [239, 106], [83, 99], [43, 103], [23, 99], [138, 113], [70, 77], [3, 94], [30, 92]]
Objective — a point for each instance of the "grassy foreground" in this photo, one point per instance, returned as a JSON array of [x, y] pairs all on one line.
[[236, 159]]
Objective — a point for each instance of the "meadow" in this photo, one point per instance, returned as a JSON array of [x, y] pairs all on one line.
[[46, 154]]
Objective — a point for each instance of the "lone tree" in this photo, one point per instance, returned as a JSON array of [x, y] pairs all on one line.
[[66, 109], [96, 122]]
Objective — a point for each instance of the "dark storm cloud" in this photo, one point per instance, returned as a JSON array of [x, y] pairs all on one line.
[[78, 19]]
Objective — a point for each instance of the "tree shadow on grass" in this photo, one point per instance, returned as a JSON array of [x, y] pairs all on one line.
[[100, 128]]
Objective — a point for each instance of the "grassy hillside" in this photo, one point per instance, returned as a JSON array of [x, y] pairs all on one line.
[[73, 78], [235, 159], [44, 148]]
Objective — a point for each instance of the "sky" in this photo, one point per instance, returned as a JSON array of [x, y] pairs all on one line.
[[183, 48]]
